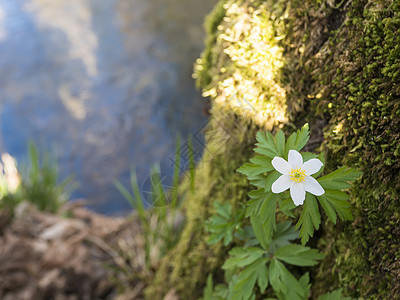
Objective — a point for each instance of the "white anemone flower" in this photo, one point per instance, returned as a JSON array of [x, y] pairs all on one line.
[[296, 175]]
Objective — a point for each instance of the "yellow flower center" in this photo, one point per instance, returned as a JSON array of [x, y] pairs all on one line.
[[298, 175]]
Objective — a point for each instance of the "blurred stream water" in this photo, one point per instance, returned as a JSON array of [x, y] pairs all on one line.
[[106, 82]]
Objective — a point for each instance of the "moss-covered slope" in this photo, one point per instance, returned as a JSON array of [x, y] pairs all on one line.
[[335, 64], [229, 143]]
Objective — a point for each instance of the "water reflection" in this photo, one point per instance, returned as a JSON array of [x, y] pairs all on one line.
[[107, 82]]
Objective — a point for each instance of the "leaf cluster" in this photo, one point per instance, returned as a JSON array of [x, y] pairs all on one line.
[[262, 206], [258, 267], [225, 224]]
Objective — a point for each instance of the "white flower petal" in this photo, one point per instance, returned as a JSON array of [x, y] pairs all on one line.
[[295, 159], [281, 165], [312, 166], [312, 186], [297, 193], [281, 184]]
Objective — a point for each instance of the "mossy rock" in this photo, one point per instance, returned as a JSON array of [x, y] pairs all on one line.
[[336, 66], [229, 142]]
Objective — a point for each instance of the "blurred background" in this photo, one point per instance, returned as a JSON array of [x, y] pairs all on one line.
[[105, 83]]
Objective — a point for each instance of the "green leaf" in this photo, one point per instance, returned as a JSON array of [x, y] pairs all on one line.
[[280, 143], [302, 137], [286, 205], [223, 225], [335, 202], [339, 179], [284, 284], [262, 211], [258, 180], [257, 272], [308, 155], [208, 290], [310, 218], [262, 279], [299, 255], [257, 198], [243, 287], [223, 209], [329, 210], [268, 210], [335, 295], [241, 257], [305, 283], [290, 144], [250, 169], [263, 151], [262, 161], [215, 238], [259, 231], [297, 140], [285, 232], [221, 292], [266, 144]]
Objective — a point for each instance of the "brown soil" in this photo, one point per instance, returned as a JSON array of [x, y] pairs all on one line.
[[44, 256]]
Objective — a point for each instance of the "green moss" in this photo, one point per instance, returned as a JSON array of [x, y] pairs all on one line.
[[240, 67], [203, 74], [185, 269], [339, 69], [362, 103]]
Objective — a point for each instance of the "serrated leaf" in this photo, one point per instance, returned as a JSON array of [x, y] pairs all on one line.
[[299, 255], [243, 288], [339, 179], [297, 140], [329, 210], [302, 137], [250, 169], [216, 220], [275, 277], [246, 280], [215, 238], [262, 161], [336, 200], [266, 152], [335, 295], [285, 232], [208, 290], [290, 144], [254, 194], [268, 210], [259, 231], [240, 257], [280, 143], [258, 180], [266, 144], [310, 218], [221, 292], [286, 205], [257, 198], [261, 137], [262, 216], [262, 279], [284, 284], [223, 209], [308, 155], [223, 225], [305, 283], [338, 195]]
